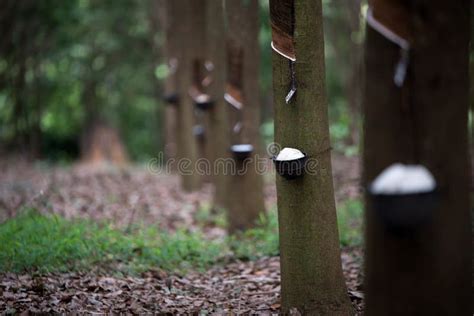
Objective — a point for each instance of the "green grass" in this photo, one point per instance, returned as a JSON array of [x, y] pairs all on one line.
[[32, 242], [259, 241], [207, 216]]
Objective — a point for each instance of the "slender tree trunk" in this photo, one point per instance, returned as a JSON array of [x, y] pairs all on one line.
[[160, 22], [182, 13], [35, 133], [311, 272], [471, 84], [170, 126], [218, 126], [89, 102], [246, 189], [472, 129], [99, 141], [198, 47], [34, 127], [424, 122], [19, 110]]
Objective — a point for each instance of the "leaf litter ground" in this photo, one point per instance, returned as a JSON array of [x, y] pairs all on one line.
[[134, 195]]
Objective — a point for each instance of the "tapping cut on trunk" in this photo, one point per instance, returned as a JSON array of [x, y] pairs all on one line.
[[391, 19], [235, 55], [394, 16], [282, 16]]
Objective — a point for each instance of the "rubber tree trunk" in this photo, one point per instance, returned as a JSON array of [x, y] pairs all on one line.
[[246, 188], [164, 52], [198, 48], [311, 274], [218, 134], [182, 14], [170, 123], [427, 272], [472, 118]]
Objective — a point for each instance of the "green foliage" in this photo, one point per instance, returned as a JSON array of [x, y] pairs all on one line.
[[45, 242], [97, 62], [259, 241], [340, 132], [350, 218], [102, 53], [267, 131], [34, 242], [179, 251], [207, 216]]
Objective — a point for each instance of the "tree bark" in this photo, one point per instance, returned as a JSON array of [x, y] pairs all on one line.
[[99, 142], [170, 127], [424, 122], [160, 22], [471, 63], [246, 188], [187, 145], [312, 280], [198, 47], [218, 134], [89, 102], [472, 138]]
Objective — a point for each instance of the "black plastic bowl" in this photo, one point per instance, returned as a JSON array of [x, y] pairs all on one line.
[[204, 105], [291, 169], [171, 98], [405, 212], [241, 151]]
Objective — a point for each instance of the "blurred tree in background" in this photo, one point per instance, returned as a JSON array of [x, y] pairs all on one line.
[[35, 35], [67, 67]]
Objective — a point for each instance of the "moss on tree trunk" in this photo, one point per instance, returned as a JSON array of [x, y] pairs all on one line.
[[312, 279]]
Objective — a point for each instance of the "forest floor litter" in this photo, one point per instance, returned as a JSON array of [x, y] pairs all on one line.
[[132, 195], [239, 287]]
